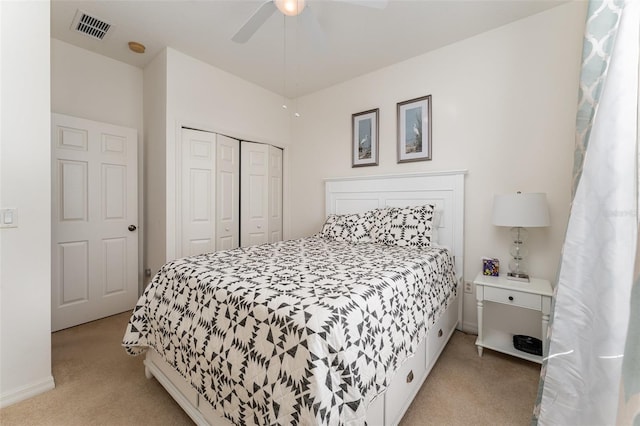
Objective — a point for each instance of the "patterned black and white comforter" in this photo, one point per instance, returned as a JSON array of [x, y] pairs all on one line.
[[304, 331]]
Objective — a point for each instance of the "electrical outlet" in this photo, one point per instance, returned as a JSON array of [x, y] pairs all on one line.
[[467, 287]]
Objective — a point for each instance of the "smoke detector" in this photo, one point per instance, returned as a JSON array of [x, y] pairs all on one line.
[[90, 25]]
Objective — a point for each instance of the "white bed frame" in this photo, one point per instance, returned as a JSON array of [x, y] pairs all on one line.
[[355, 195]]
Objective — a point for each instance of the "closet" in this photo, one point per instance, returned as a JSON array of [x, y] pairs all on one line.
[[230, 193]]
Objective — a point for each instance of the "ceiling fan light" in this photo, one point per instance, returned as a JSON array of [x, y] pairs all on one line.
[[290, 7]]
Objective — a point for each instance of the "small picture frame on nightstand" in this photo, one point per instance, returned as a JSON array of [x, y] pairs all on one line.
[[490, 266]]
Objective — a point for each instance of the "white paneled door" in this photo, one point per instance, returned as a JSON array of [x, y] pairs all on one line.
[[198, 192], [254, 190], [227, 192], [210, 175], [94, 220], [261, 176], [275, 194]]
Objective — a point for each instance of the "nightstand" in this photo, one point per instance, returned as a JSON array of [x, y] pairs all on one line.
[[534, 295]]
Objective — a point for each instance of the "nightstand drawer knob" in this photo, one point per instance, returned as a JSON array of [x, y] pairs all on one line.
[[410, 377], [440, 333], [511, 298]]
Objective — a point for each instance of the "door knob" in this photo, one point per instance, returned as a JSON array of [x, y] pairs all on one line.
[[132, 228]]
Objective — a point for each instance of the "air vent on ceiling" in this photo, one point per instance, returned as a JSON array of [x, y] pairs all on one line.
[[90, 25]]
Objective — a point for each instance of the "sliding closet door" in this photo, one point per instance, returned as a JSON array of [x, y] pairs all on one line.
[[275, 194], [261, 176], [227, 192], [227, 186], [198, 201], [254, 193]]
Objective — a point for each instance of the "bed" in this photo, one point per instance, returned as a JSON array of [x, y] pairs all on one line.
[[336, 328]]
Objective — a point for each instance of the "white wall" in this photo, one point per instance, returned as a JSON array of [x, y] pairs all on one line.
[[155, 158], [87, 85], [25, 184], [203, 97], [200, 94], [504, 105]]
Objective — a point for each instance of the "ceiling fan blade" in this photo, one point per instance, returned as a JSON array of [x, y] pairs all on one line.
[[376, 4], [256, 20], [309, 22]]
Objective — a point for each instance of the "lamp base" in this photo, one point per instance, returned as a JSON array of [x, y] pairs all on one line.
[[515, 276]]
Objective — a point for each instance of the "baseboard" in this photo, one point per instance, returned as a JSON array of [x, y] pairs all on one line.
[[26, 392]]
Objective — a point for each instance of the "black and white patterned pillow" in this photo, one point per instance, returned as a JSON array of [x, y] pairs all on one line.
[[379, 221], [409, 226], [327, 228], [353, 228]]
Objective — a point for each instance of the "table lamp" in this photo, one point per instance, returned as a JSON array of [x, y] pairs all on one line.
[[520, 211]]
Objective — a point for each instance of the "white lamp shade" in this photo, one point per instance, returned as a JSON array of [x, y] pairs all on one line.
[[525, 210]]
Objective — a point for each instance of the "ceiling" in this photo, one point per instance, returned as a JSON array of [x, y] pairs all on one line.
[[357, 39]]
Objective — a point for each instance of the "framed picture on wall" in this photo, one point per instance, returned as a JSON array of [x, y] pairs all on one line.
[[414, 130], [364, 138]]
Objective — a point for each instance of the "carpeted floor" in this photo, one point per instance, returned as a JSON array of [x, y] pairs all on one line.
[[97, 383]]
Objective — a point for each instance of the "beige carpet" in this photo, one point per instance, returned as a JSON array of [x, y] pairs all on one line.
[[98, 384]]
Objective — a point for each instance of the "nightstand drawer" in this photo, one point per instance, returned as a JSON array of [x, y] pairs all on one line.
[[511, 297]]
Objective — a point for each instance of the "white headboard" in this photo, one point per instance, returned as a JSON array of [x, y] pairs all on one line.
[[444, 189]]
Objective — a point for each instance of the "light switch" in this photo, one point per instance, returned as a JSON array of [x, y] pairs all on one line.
[[8, 218]]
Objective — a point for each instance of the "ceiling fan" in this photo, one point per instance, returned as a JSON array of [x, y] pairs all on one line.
[[291, 8]]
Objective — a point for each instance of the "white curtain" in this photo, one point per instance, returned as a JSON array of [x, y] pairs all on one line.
[[583, 370]]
